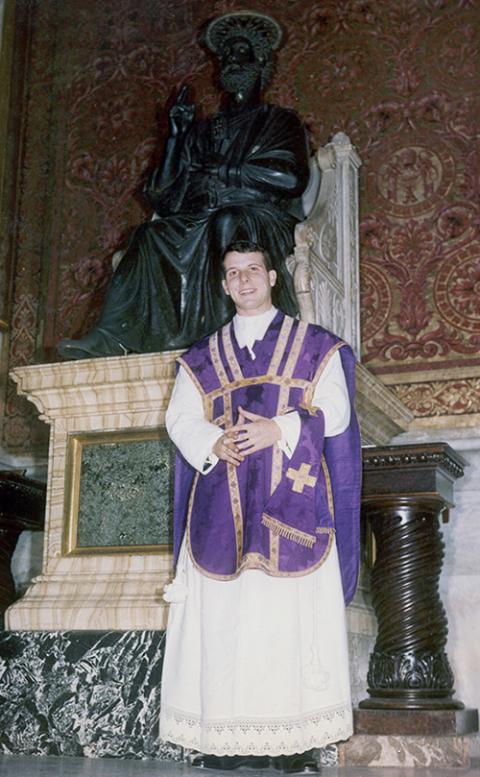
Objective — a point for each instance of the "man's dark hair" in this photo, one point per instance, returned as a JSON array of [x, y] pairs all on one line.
[[247, 247]]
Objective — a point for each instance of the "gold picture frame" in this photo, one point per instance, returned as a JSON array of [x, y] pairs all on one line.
[[77, 444]]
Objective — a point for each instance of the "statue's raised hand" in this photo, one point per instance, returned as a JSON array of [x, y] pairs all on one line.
[[182, 113]]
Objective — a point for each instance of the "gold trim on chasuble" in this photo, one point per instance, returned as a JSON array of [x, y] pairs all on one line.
[[233, 487], [283, 398], [255, 381], [307, 405], [198, 386], [230, 354], [309, 392], [328, 484], [281, 344], [280, 529]]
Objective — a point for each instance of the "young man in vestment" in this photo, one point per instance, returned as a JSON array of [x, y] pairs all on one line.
[[266, 534]]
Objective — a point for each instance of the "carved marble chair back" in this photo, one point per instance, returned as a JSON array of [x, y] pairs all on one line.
[[325, 260]]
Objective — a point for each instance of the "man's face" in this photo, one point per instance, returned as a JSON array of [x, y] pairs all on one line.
[[239, 68], [248, 282]]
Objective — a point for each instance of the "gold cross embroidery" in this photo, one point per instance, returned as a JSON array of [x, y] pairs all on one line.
[[301, 477]]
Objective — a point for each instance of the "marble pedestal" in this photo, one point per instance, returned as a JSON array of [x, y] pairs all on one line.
[[80, 668], [410, 738], [92, 406]]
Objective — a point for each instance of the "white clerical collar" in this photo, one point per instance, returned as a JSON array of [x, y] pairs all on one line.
[[248, 329]]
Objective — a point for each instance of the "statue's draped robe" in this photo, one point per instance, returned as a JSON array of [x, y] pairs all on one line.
[[258, 664], [166, 292]]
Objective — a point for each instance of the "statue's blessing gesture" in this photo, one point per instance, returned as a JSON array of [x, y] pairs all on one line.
[[237, 175]]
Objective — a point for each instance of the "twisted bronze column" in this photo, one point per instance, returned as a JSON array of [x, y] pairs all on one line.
[[405, 491]]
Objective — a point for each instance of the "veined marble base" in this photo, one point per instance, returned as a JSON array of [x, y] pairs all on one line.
[[405, 751], [94, 694], [398, 722]]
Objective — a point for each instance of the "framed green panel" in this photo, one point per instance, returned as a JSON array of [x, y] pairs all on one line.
[[118, 493]]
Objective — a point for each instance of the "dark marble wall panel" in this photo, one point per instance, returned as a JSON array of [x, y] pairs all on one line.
[[95, 694]]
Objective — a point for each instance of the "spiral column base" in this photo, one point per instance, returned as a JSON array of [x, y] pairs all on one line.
[[405, 491], [411, 681]]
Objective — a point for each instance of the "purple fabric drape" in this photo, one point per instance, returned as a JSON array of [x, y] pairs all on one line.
[[271, 512]]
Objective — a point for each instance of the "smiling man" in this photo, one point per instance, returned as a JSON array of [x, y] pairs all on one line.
[[266, 534]]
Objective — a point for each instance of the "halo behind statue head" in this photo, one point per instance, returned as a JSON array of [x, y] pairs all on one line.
[[262, 32]]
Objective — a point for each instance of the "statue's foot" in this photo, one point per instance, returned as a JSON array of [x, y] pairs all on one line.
[[95, 344]]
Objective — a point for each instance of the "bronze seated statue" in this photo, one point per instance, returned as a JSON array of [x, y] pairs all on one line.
[[237, 175]]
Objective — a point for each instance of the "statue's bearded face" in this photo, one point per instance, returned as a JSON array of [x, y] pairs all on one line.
[[239, 68]]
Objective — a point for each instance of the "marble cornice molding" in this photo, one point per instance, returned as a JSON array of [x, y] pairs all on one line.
[[437, 424], [425, 376], [73, 388], [381, 415]]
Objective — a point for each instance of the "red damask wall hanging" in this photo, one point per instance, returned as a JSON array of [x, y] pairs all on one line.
[[400, 77]]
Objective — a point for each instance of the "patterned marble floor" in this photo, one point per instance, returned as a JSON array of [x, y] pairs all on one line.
[[60, 766]]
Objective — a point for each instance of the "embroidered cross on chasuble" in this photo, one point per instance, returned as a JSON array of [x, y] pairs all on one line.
[[301, 477], [271, 513]]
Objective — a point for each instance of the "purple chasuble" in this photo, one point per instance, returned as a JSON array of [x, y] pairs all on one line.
[[271, 513]]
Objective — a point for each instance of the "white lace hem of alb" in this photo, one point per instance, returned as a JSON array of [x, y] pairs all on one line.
[[257, 736]]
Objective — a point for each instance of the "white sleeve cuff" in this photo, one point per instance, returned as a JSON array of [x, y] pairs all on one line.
[[209, 463]]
